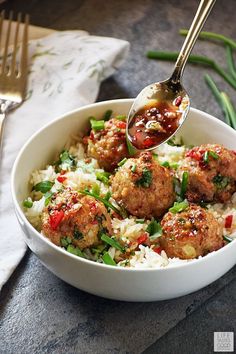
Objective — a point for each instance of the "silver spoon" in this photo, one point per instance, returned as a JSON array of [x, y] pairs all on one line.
[[170, 89]]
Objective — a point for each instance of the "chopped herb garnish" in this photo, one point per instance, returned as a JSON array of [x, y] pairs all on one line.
[[97, 124], [165, 164], [47, 197], [155, 155], [77, 234], [27, 203], [65, 159], [43, 186], [108, 260], [227, 238], [107, 114], [122, 162], [181, 221], [221, 181], [103, 177], [132, 151], [133, 168], [75, 250], [112, 242], [184, 184], [146, 179], [154, 228], [121, 117], [214, 155], [178, 207]]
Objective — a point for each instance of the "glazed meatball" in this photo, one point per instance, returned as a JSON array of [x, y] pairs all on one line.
[[212, 173], [82, 218], [108, 145], [191, 233], [143, 187]]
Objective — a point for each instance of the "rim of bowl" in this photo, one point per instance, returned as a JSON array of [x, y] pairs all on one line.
[[192, 262]]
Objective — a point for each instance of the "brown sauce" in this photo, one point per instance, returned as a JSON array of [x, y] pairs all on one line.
[[154, 124]]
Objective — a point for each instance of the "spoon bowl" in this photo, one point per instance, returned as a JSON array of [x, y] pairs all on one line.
[[164, 91]]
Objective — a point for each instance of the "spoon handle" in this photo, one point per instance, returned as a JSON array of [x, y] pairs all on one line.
[[202, 13]]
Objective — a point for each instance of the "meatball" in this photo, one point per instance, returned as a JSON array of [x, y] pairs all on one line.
[[82, 218], [143, 187], [191, 233], [108, 145], [212, 173]]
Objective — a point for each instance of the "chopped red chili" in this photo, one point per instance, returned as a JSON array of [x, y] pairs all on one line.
[[56, 218], [143, 238], [228, 221], [61, 179], [121, 125], [157, 249]]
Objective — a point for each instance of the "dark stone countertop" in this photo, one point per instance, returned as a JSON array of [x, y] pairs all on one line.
[[42, 314]]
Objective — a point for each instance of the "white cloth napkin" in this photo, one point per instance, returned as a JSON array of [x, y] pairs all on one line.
[[66, 71]]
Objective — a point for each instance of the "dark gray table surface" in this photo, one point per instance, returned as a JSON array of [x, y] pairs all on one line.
[[42, 314]]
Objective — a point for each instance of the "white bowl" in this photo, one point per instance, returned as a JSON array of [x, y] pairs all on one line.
[[100, 279]]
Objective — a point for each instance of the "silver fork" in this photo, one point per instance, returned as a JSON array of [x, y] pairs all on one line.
[[13, 72]]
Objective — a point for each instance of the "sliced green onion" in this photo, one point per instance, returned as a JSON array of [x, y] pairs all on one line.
[[106, 203], [140, 221], [108, 195], [75, 250], [206, 157], [65, 241], [108, 260], [103, 177], [194, 59], [122, 162], [212, 35], [43, 186], [133, 168], [96, 189], [178, 207], [107, 114], [121, 117], [214, 155], [184, 184], [227, 238], [112, 242], [27, 203], [97, 124]]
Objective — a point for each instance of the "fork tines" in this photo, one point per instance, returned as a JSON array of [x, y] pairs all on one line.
[[14, 52]]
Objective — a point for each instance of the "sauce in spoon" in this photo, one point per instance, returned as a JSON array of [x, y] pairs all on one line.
[[156, 122]]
